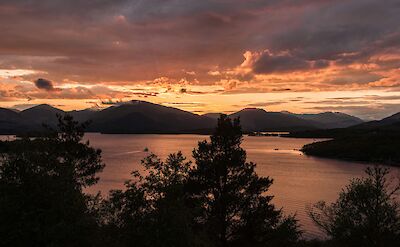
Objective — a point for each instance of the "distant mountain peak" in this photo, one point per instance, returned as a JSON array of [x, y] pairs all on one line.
[[394, 116], [391, 119], [138, 116], [256, 119], [43, 107], [331, 119]]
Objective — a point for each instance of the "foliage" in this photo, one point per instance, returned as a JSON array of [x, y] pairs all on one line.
[[220, 201], [41, 181], [217, 201], [374, 148], [367, 212], [152, 211], [234, 207]]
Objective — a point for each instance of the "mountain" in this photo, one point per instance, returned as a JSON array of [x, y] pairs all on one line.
[[212, 115], [130, 117], [254, 119], [83, 115], [10, 121], [389, 122], [392, 119], [41, 114], [8, 115], [145, 117], [395, 118], [330, 120]]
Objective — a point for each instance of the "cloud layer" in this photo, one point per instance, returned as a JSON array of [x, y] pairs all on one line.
[[191, 47]]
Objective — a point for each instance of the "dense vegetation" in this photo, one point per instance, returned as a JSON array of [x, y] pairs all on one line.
[[374, 147], [372, 142], [218, 200], [41, 182], [367, 212]]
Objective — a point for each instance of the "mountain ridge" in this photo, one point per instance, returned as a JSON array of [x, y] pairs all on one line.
[[146, 117]]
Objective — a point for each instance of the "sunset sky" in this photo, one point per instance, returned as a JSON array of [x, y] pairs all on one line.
[[203, 55]]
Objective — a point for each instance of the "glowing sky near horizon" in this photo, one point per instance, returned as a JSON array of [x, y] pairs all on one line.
[[203, 56]]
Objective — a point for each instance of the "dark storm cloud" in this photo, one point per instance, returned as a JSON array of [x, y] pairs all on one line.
[[359, 77], [330, 30], [343, 32], [44, 84], [125, 40], [268, 63]]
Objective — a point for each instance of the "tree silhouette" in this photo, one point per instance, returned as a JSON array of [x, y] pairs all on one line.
[[234, 207], [41, 182], [367, 212], [152, 211], [220, 201]]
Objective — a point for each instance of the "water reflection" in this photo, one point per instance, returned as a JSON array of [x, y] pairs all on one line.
[[299, 180]]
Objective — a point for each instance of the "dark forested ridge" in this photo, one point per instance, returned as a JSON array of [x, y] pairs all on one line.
[[380, 148], [330, 120], [254, 119], [386, 125], [145, 117], [134, 117], [372, 142]]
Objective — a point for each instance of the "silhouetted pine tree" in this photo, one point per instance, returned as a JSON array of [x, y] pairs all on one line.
[[235, 210], [41, 182]]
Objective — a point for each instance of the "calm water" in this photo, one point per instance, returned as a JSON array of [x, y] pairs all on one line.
[[298, 180]]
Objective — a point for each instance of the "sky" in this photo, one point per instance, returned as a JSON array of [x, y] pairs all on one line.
[[302, 56]]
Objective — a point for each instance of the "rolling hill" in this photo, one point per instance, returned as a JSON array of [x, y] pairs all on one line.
[[329, 120], [40, 114], [253, 119], [144, 117], [10, 121]]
